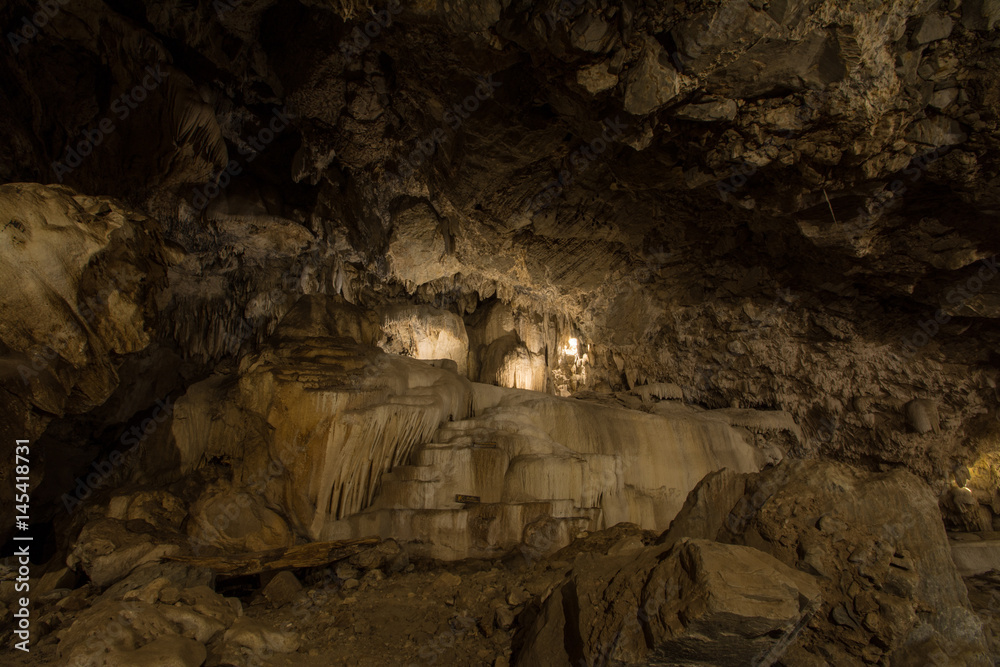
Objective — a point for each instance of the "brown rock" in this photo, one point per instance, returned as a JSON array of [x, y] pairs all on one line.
[[283, 588]]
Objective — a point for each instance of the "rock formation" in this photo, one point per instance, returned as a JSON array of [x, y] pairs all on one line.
[[561, 332]]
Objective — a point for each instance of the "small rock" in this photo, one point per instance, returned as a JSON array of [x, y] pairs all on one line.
[[652, 81], [922, 416], [371, 578], [596, 78], [345, 570], [518, 597], [937, 131], [589, 33], [170, 595], [192, 624], [149, 593], [446, 581], [716, 110], [504, 617], [901, 583], [377, 556], [841, 616], [932, 28], [942, 99], [400, 562], [351, 584], [831, 524], [282, 589]]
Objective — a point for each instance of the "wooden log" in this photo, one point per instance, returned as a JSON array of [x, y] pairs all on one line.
[[313, 554]]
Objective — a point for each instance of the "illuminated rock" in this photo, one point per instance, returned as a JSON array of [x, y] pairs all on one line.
[[349, 441], [425, 333]]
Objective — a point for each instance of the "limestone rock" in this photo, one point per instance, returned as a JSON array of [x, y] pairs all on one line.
[[440, 453], [234, 520], [707, 509], [282, 589], [708, 111], [815, 515], [932, 28], [107, 551], [199, 627], [717, 35], [508, 363], [111, 626], [596, 78], [697, 602], [250, 640], [422, 246], [922, 416], [164, 651], [160, 509], [320, 315], [651, 82], [179, 577], [937, 131], [425, 333]]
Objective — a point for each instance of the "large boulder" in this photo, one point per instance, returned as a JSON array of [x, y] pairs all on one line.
[[698, 602], [236, 521], [107, 551], [83, 267], [877, 543]]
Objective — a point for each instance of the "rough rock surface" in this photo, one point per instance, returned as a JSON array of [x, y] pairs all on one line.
[[726, 196], [711, 233], [870, 550], [348, 442], [875, 543], [699, 601]]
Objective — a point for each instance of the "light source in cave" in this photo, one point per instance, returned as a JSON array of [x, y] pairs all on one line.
[[572, 348]]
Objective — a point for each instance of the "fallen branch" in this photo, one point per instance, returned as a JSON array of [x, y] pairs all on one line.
[[314, 554]]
